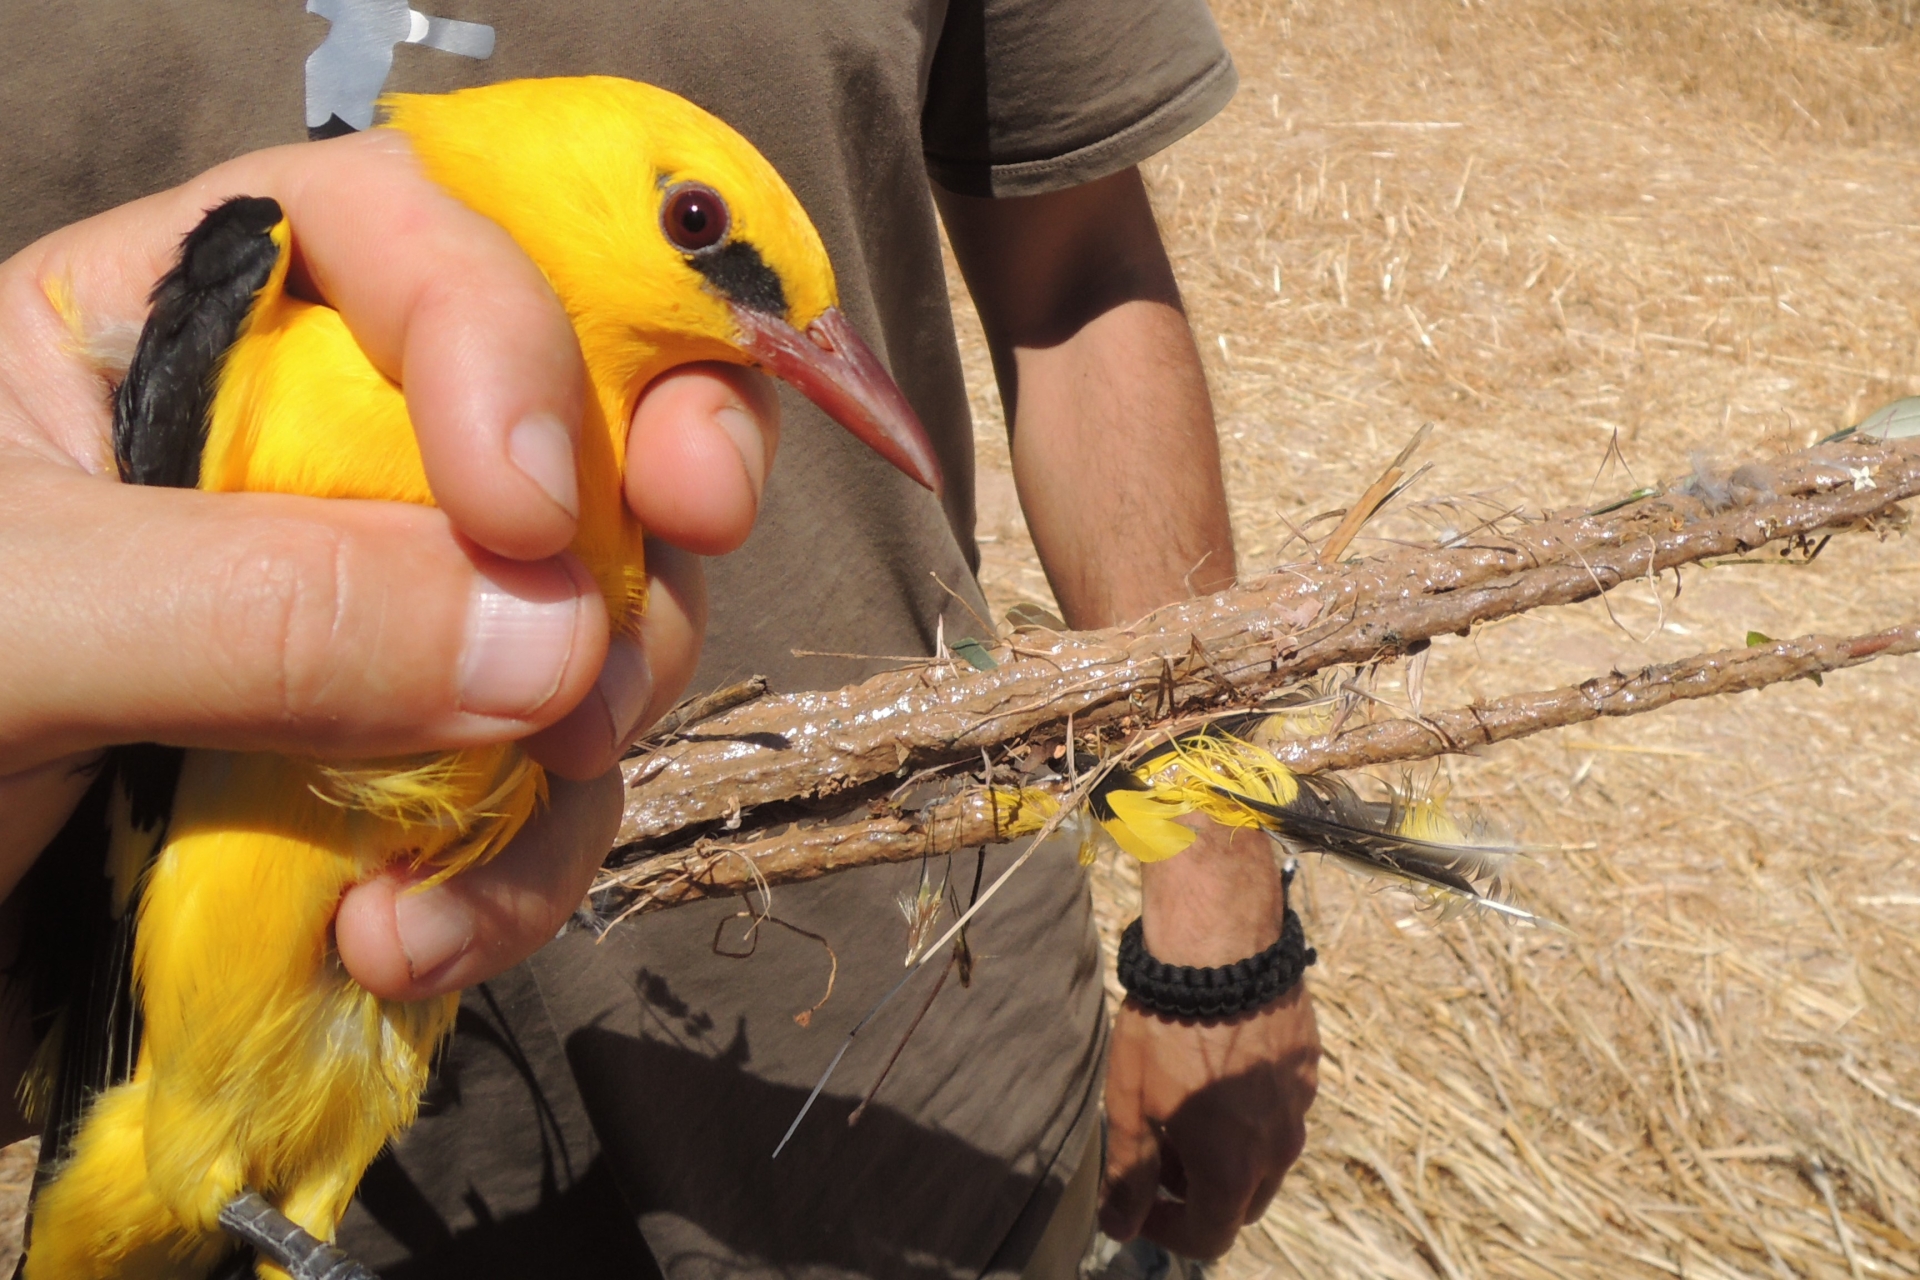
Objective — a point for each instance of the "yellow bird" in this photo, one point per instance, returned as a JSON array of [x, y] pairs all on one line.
[[247, 1069]]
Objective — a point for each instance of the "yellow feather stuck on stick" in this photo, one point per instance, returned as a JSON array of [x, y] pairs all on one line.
[[1231, 779], [262, 1069]]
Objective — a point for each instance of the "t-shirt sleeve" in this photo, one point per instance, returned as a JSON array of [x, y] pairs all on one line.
[[1030, 96]]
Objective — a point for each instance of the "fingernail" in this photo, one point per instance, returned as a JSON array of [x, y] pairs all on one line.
[[747, 438], [517, 649], [434, 928], [540, 446], [625, 688]]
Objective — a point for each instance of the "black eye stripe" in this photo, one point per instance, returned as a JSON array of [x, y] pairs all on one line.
[[737, 272]]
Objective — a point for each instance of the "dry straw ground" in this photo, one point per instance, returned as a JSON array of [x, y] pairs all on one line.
[[1542, 226]]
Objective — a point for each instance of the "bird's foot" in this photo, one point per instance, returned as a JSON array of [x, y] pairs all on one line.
[[249, 1218]]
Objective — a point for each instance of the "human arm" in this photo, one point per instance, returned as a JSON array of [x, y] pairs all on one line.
[[1110, 426], [1117, 467]]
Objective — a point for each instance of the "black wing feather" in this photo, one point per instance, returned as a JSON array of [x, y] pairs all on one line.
[[199, 307], [77, 953], [1115, 779], [1329, 817]]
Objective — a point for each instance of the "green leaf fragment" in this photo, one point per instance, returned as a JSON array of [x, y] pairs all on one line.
[[974, 653]]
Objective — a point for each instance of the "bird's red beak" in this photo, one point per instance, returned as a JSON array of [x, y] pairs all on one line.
[[829, 365]]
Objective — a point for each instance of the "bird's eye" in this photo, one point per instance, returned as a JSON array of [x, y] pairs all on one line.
[[694, 217]]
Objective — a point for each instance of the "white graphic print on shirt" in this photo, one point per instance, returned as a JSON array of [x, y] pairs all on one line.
[[345, 74]]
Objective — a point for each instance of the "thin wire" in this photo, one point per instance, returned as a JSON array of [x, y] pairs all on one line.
[[845, 1045]]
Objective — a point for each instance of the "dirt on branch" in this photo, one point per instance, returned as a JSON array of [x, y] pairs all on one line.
[[1232, 648], [721, 868]]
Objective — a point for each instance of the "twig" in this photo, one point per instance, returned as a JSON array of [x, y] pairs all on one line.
[[1259, 638], [704, 707], [970, 818], [1705, 675]]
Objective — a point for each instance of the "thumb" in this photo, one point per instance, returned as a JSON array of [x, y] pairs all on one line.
[[271, 622]]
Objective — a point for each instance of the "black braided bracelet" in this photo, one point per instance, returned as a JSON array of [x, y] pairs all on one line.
[[1182, 991]]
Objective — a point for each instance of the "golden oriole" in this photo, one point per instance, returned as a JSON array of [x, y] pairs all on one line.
[[213, 1054]]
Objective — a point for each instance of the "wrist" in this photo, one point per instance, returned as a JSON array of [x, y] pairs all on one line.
[[1221, 900], [1188, 992]]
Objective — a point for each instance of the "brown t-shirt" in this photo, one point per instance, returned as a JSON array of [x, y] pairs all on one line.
[[649, 1061]]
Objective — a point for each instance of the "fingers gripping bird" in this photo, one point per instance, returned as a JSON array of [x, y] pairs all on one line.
[[243, 1062]]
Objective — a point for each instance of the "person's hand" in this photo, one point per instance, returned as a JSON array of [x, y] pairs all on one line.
[[1204, 1118], [266, 622]]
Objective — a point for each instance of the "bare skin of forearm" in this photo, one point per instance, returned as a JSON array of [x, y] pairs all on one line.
[[1115, 459], [1118, 470], [1219, 902], [1114, 452]]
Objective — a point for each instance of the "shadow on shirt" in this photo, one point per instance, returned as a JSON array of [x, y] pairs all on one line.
[[483, 1188], [887, 1197], [582, 1230]]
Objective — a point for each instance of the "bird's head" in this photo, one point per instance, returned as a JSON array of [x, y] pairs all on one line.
[[668, 238]]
